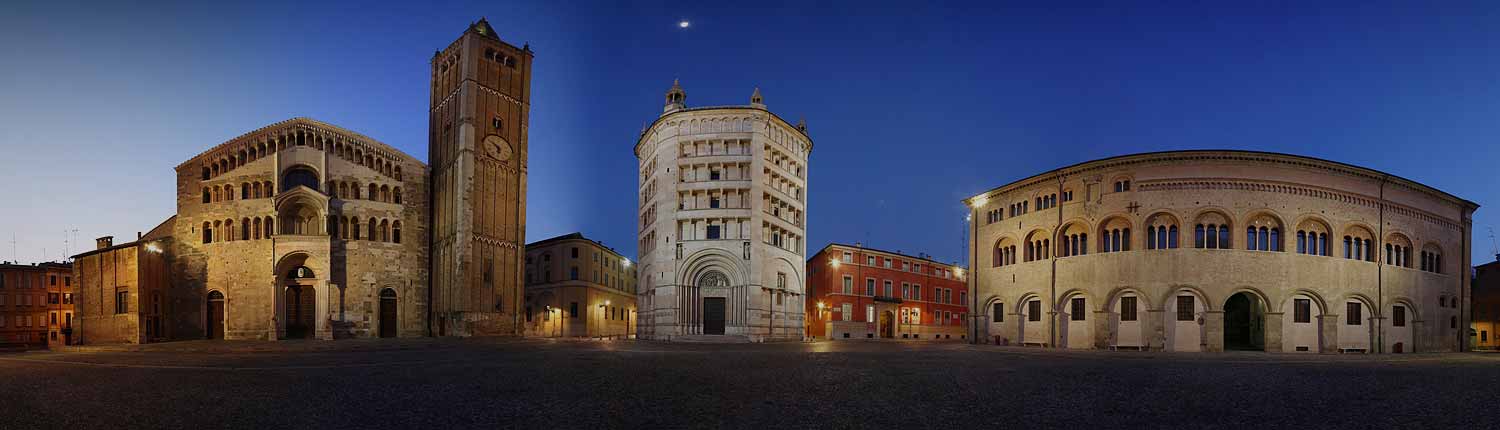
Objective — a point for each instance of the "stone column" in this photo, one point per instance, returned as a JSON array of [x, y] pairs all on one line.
[[1154, 330], [1271, 326], [1328, 333], [1212, 331], [1104, 323]]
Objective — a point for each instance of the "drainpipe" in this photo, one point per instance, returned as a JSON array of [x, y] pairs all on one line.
[[1380, 273], [1052, 255]]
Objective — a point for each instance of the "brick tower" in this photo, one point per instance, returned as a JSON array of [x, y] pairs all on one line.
[[481, 93]]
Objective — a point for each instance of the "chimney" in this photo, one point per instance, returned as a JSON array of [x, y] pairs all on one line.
[[104, 242], [138, 235]]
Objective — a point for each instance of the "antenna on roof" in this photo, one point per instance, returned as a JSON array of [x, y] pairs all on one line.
[[1493, 248]]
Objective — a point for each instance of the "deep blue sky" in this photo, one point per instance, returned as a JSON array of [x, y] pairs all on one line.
[[912, 107]]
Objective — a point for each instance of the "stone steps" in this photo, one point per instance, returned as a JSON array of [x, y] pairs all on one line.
[[711, 338]]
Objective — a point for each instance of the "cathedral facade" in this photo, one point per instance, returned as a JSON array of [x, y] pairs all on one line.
[[723, 210], [303, 229]]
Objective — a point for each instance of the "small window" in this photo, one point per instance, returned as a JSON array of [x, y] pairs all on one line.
[[713, 232], [1185, 309], [1398, 316], [1077, 311], [1128, 308], [1352, 315], [998, 312], [573, 310], [1034, 310], [1302, 310]]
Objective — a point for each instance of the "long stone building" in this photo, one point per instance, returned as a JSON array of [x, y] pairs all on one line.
[[303, 229], [577, 287], [1214, 250], [722, 231]]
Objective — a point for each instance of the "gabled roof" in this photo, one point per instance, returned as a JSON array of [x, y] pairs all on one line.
[[483, 28]]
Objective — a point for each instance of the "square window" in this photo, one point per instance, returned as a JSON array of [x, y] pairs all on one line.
[[1352, 315], [1185, 308], [1034, 310], [1302, 310]]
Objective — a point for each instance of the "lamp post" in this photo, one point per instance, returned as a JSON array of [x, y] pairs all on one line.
[[972, 241]]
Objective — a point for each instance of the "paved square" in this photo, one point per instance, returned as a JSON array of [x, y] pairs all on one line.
[[445, 383]]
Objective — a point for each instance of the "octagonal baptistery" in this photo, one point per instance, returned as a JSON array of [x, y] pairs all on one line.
[[300, 229], [1214, 250], [722, 223]]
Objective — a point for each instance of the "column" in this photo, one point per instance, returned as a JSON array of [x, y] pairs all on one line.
[[1212, 331], [1272, 329], [1155, 330], [1328, 333], [1104, 323]]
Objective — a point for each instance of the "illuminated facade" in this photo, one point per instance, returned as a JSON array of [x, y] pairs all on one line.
[[856, 292], [722, 230], [1214, 250]]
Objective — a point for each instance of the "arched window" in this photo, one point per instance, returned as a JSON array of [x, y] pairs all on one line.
[[207, 196], [206, 173], [299, 176], [385, 231], [354, 228], [398, 173], [396, 192], [396, 232], [229, 230], [269, 190], [208, 233], [354, 188], [270, 226], [372, 226], [257, 230], [244, 191], [1398, 250], [385, 193], [374, 193]]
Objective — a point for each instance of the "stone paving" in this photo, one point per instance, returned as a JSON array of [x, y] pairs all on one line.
[[490, 383]]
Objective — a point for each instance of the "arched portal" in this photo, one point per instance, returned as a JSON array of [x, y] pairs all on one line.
[[215, 323], [299, 175], [1244, 323], [388, 322], [713, 307], [299, 305]]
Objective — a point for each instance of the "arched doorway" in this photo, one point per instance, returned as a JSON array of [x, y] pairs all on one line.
[[300, 303], [713, 307], [215, 323], [887, 325], [1244, 316], [388, 322]]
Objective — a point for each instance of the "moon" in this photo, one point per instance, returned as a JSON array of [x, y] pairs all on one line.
[[683, 24]]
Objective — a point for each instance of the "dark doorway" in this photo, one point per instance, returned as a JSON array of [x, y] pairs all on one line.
[[388, 313], [1243, 316], [301, 305], [215, 315], [887, 325], [713, 315]]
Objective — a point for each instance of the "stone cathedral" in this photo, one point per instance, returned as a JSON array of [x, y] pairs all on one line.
[[304, 229]]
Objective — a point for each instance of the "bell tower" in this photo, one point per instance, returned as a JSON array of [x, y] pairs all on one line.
[[477, 152]]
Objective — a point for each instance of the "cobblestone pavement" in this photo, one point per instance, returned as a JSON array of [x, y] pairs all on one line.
[[445, 383]]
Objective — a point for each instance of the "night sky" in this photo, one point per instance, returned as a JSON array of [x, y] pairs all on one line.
[[911, 107]]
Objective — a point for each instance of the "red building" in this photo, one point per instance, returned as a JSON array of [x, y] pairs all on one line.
[[862, 293], [36, 304]]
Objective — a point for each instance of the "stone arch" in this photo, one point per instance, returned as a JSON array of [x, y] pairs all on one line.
[[1358, 240], [1075, 326], [1114, 233], [1029, 330], [1037, 246], [1163, 229], [1210, 220], [1264, 230], [300, 175], [1003, 253], [1318, 233], [1302, 336], [1244, 325], [1126, 328], [296, 295], [389, 319], [301, 214], [1401, 338], [699, 262], [1356, 336], [1073, 238], [1178, 334]]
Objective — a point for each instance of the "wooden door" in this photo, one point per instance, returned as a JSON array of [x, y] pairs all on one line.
[[216, 319], [713, 315], [387, 316]]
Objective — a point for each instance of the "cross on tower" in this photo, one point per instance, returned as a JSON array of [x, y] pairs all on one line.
[[1133, 207]]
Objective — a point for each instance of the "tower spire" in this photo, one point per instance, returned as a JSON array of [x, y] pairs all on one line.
[[756, 100], [676, 98]]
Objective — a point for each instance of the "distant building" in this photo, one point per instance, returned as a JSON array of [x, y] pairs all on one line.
[[722, 222], [1486, 304], [123, 294], [36, 304], [862, 293], [576, 287]]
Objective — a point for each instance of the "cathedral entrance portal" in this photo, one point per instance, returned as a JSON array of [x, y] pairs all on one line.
[[300, 303], [713, 315]]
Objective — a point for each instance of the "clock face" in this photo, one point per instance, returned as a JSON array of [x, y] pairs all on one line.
[[497, 148]]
